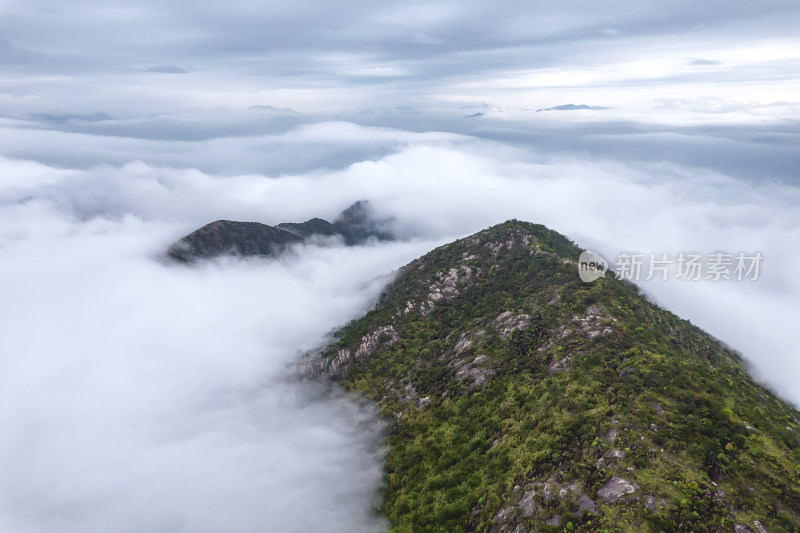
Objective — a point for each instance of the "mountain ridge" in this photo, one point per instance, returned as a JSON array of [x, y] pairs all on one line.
[[520, 398], [355, 225]]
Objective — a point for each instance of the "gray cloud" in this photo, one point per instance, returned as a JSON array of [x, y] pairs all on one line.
[[166, 69], [411, 66], [703, 62], [401, 49]]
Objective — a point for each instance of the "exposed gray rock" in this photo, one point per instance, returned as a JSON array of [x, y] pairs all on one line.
[[385, 336], [760, 527], [504, 514], [617, 489], [507, 323], [586, 504], [462, 344], [561, 365], [594, 322], [741, 528], [339, 364], [649, 502], [495, 247], [527, 503], [554, 521], [446, 286], [475, 376], [340, 361], [549, 490], [616, 454]]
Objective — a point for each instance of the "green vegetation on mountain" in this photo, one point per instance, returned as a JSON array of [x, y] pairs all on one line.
[[355, 225], [520, 398], [224, 237]]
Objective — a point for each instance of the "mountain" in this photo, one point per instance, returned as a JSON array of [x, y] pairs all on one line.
[[573, 107], [519, 398], [359, 223], [356, 225], [315, 226], [226, 237]]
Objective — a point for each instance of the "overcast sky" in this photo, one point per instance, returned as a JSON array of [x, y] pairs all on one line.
[[711, 83], [136, 395]]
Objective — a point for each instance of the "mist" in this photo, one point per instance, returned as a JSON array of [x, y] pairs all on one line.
[[140, 395]]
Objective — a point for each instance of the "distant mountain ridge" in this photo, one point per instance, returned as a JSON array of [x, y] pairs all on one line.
[[356, 224], [573, 107]]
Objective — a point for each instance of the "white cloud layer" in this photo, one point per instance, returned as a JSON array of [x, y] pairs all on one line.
[[138, 396]]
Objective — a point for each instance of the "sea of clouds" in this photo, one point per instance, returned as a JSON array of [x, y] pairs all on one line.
[[139, 395], [142, 394]]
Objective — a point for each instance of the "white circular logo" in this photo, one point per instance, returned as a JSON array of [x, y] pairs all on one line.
[[591, 266]]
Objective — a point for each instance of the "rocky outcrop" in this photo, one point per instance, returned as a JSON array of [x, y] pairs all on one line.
[[446, 286], [474, 375], [386, 336], [507, 323], [537, 500], [651, 503], [617, 489]]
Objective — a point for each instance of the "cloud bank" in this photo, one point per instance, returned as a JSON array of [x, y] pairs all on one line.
[[140, 396], [440, 188]]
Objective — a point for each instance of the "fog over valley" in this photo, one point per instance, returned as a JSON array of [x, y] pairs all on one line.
[[137, 394]]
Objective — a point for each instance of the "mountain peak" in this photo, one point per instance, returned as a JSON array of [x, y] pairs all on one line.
[[360, 222], [228, 237], [520, 398]]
